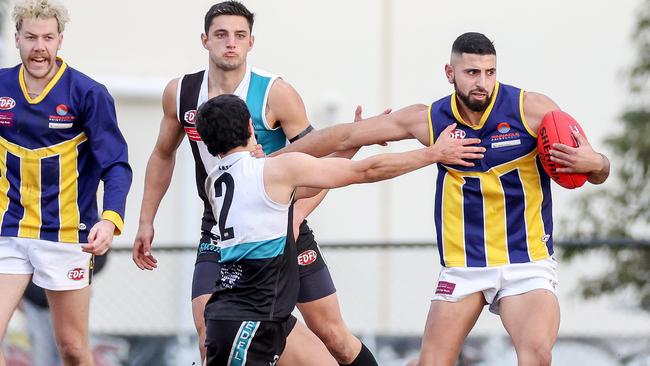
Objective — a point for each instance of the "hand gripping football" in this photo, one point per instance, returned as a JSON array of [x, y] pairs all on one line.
[[557, 126]]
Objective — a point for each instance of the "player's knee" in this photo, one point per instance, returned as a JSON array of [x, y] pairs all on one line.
[[543, 356], [73, 352], [540, 355]]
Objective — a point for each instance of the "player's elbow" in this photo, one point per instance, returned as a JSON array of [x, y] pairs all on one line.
[[344, 138], [598, 178], [601, 175], [372, 175], [164, 154]]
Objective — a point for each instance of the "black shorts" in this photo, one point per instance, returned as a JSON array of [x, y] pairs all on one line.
[[315, 279], [254, 343], [206, 268]]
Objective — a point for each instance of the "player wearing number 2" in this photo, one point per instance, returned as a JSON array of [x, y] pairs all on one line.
[[246, 317]]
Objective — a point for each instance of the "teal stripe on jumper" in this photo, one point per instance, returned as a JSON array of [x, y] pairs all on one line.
[[254, 250]]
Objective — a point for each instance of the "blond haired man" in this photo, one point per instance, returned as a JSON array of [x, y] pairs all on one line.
[[59, 137]]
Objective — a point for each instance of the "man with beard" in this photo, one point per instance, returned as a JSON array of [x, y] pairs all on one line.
[[278, 115], [493, 219], [247, 316], [58, 138]]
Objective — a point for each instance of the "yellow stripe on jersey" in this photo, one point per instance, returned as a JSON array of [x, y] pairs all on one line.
[[523, 116], [431, 140], [30, 196], [494, 207], [4, 187], [30, 187], [496, 238], [48, 87], [484, 117], [452, 225], [68, 203]]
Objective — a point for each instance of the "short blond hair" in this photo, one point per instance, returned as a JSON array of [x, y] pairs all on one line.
[[35, 9]]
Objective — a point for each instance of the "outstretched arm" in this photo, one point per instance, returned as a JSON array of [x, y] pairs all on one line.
[[284, 172], [407, 123], [313, 196], [158, 177]]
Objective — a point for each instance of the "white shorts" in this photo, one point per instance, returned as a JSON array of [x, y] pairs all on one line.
[[456, 283], [55, 266]]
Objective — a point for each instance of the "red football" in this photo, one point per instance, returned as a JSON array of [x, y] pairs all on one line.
[[556, 126]]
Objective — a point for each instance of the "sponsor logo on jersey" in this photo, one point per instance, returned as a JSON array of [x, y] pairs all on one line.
[[192, 133], [546, 238], [307, 257], [505, 136], [7, 103], [190, 117], [60, 125], [6, 119], [61, 109], [208, 247], [506, 143], [503, 127], [61, 119], [457, 134], [230, 275], [445, 288], [77, 274]]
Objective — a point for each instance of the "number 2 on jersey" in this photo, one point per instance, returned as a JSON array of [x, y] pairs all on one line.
[[225, 233]]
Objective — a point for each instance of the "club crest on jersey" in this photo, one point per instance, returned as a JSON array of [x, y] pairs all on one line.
[[7, 103], [190, 116], [307, 257], [77, 274], [457, 134]]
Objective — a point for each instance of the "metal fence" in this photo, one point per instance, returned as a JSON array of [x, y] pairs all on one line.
[[144, 318]]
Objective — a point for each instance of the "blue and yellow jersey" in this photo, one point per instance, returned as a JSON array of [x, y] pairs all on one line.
[[498, 211], [54, 149]]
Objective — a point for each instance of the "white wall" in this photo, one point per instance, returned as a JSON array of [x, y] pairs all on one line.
[[332, 52], [337, 55]]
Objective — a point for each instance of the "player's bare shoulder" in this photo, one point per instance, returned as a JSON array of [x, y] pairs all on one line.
[[281, 171], [414, 120], [536, 106], [169, 99], [284, 103]]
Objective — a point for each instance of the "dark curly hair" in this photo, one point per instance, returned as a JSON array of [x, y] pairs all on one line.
[[222, 123], [473, 43], [228, 8]]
